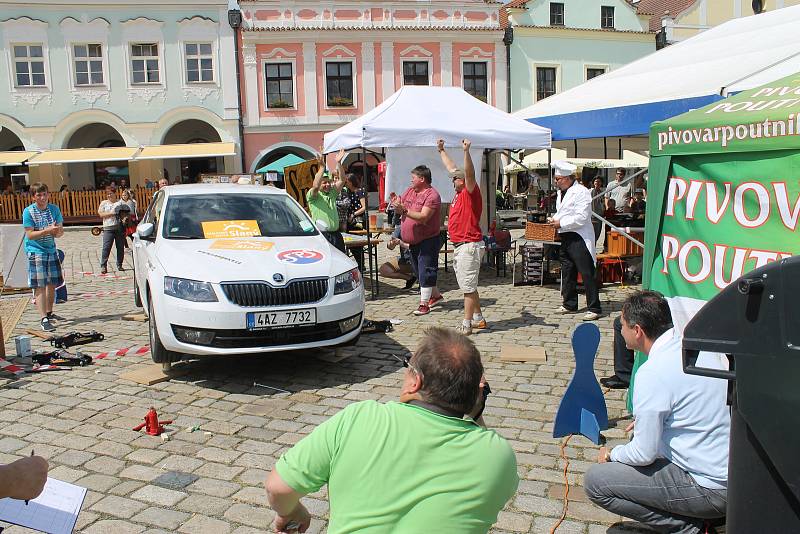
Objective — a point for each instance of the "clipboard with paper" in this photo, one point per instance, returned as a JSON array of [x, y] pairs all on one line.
[[54, 511]]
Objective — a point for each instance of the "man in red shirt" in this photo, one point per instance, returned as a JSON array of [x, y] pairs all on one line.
[[465, 232], [420, 210]]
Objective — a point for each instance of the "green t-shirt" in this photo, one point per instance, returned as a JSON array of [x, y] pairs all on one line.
[[401, 468], [323, 206]]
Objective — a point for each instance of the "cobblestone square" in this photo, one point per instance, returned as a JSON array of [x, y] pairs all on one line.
[[211, 480]]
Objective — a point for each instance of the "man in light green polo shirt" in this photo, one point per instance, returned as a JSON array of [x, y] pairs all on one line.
[[321, 200], [414, 466]]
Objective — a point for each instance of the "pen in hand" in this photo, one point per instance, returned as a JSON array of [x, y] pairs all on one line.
[[26, 500]]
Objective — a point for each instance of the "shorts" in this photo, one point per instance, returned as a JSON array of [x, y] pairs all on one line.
[[44, 270], [467, 265]]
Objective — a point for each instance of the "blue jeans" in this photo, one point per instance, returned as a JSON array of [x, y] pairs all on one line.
[[660, 495], [425, 260]]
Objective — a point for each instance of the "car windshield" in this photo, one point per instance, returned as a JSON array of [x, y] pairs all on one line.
[[234, 215]]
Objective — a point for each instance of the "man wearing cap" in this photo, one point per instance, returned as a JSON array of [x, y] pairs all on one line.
[[321, 200], [464, 229], [573, 218]]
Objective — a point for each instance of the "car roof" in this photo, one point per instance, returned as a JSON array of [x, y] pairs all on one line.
[[221, 189]]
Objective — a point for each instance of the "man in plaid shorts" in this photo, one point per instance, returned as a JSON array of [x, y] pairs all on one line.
[[43, 223]]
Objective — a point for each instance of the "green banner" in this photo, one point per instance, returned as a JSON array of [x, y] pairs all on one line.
[[723, 218], [764, 118]]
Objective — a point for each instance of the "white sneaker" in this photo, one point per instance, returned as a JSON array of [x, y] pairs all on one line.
[[591, 316], [465, 329], [563, 311]]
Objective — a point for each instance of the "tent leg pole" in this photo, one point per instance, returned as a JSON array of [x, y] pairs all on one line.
[[372, 271]]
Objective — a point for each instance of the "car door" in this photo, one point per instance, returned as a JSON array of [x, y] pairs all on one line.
[[144, 248]]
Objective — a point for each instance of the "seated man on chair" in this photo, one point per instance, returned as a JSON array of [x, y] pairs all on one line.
[[673, 474]]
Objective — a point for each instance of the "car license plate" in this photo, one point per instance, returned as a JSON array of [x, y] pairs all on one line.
[[277, 319]]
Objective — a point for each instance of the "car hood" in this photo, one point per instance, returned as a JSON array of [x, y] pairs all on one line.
[[251, 258]]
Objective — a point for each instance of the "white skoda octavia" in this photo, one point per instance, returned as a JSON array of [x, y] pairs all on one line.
[[235, 269]]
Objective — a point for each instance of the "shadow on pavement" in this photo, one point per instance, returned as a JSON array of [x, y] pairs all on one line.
[[295, 371]]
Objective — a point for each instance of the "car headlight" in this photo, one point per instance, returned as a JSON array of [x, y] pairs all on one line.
[[189, 289], [347, 282]]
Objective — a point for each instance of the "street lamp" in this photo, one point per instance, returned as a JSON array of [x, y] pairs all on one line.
[[235, 22]]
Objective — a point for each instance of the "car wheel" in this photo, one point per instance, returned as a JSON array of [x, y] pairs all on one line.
[[157, 350], [137, 298]]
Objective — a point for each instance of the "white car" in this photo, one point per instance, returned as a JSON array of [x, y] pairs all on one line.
[[236, 269]]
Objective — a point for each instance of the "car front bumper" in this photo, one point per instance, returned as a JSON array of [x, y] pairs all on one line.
[[339, 319]]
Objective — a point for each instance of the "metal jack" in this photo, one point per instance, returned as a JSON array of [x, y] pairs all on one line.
[[166, 367]]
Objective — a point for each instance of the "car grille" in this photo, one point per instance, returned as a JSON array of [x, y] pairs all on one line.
[[237, 339], [254, 294]]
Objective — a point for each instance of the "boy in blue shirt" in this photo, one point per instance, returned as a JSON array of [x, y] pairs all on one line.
[[43, 223]]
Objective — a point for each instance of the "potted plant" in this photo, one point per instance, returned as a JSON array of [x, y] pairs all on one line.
[[340, 101]]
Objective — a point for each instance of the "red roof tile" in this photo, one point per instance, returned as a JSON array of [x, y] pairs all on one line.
[[656, 9]]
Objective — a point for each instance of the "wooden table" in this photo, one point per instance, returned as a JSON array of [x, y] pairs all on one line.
[[354, 242]]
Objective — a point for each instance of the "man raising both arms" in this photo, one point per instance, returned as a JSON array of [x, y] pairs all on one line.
[[464, 230]]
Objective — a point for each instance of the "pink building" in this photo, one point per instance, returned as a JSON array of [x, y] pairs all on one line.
[[309, 67]]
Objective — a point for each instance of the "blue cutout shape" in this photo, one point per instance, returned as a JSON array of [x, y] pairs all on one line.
[[583, 408], [61, 291]]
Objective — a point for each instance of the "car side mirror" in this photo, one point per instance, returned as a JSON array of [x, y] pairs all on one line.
[[145, 230], [322, 226]]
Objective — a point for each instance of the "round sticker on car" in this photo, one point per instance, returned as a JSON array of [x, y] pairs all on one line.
[[300, 256]]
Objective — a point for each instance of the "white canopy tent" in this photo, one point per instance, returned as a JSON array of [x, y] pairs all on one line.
[[408, 124], [737, 55]]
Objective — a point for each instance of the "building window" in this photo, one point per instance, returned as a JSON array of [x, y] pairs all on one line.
[[415, 73], [606, 16], [29, 65], [199, 62], [545, 82], [556, 14], [144, 63], [339, 83], [88, 64], [592, 72], [475, 79], [280, 85]]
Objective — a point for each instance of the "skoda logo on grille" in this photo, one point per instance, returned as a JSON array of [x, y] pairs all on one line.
[[278, 277]]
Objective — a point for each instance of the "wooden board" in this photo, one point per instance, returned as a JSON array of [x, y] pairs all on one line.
[[153, 374], [40, 334], [519, 353], [135, 317], [10, 312]]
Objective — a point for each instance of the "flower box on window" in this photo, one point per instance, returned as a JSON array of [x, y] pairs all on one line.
[[280, 104], [340, 102]]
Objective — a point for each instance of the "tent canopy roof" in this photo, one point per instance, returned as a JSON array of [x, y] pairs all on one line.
[[538, 160], [764, 118], [279, 164], [417, 116], [733, 56]]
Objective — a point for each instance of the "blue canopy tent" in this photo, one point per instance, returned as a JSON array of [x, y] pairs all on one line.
[[737, 55], [279, 164]]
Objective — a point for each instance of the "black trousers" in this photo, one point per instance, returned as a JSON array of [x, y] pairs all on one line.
[[575, 258], [623, 356], [335, 239], [113, 237]]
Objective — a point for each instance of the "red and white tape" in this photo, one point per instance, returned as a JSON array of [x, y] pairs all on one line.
[[101, 275], [102, 294], [141, 349], [10, 367]]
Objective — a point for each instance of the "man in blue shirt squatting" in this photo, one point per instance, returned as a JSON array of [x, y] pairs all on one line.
[[43, 223], [673, 474], [419, 465]]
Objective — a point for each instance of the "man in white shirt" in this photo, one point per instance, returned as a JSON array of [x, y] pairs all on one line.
[[618, 192], [573, 218], [673, 474]]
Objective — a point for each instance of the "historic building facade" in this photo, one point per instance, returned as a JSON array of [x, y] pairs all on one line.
[[558, 45], [309, 67], [117, 74]]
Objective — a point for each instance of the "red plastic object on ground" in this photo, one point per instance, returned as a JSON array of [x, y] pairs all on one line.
[[151, 424]]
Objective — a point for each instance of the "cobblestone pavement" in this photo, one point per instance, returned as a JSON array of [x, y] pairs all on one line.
[[211, 480]]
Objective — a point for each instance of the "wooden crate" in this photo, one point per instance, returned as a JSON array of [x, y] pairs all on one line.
[[618, 245], [541, 232]]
